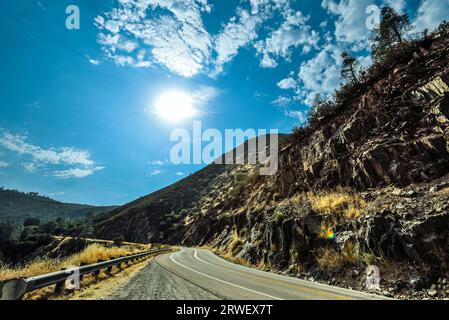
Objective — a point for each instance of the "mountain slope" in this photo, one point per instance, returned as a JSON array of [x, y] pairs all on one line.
[[16, 206], [163, 215]]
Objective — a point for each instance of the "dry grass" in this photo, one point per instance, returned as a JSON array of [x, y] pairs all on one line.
[[102, 287], [333, 260], [329, 259], [228, 256], [339, 203], [91, 254], [236, 242], [236, 260]]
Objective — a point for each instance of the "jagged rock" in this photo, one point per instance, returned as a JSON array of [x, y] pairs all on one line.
[[439, 187], [249, 253], [432, 292], [411, 194]]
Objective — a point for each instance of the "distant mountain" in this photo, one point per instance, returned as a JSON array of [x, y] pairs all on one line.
[[16, 206]]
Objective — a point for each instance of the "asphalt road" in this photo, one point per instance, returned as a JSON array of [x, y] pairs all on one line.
[[201, 275]]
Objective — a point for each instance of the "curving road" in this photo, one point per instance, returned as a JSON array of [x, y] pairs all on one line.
[[200, 275]]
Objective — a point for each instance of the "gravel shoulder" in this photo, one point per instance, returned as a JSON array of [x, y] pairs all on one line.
[[154, 282]]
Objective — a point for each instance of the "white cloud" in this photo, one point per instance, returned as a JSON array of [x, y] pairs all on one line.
[[321, 74], [287, 83], [257, 4], [203, 95], [350, 26], [299, 115], [77, 172], [293, 32], [18, 144], [29, 167], [431, 13], [35, 105], [242, 30], [156, 172], [156, 163], [66, 156], [239, 32], [397, 5], [180, 173], [55, 194], [282, 101], [171, 33], [176, 37], [285, 104], [4, 164], [92, 61]]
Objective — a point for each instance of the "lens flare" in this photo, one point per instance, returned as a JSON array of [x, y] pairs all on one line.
[[327, 233]]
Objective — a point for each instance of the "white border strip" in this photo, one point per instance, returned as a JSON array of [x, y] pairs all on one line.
[[228, 283]]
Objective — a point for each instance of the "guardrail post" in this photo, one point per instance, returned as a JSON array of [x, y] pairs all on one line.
[[97, 273], [81, 265], [12, 289], [109, 269], [59, 288]]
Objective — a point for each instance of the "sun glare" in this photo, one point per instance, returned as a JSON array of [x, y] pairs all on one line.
[[175, 106]]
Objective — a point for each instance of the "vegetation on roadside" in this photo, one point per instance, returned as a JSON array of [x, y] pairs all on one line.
[[329, 258], [91, 254]]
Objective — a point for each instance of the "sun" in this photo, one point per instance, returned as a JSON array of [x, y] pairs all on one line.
[[175, 106]]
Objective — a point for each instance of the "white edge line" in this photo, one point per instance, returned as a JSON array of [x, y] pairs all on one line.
[[343, 292], [216, 279], [198, 258]]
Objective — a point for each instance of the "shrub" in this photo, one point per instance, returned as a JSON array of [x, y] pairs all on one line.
[[118, 241], [279, 217], [294, 255], [339, 203], [276, 197], [319, 111], [444, 27], [300, 134], [235, 244], [240, 177], [48, 227], [329, 259], [31, 222]]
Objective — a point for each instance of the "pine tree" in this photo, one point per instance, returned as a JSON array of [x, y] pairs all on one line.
[[389, 33], [349, 69]]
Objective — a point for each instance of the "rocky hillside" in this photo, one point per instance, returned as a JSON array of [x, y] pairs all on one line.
[[16, 206], [162, 216], [365, 184]]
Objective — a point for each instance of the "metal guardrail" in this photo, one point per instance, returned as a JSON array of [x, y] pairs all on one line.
[[16, 288]]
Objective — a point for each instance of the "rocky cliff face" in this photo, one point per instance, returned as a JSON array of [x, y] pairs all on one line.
[[396, 131], [369, 185]]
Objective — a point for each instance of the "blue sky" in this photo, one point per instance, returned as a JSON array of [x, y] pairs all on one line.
[[77, 106]]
